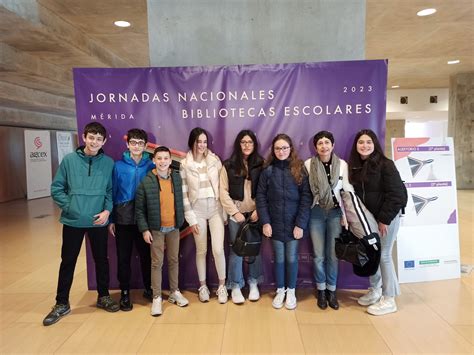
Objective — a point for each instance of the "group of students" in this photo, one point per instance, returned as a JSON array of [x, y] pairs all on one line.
[[148, 201]]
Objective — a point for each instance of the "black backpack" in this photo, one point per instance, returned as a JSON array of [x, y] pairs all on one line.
[[248, 239]]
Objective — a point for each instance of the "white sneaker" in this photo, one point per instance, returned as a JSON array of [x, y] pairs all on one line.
[[237, 296], [279, 298], [384, 306], [290, 299], [222, 294], [204, 293], [371, 297], [156, 307], [254, 294], [178, 298]]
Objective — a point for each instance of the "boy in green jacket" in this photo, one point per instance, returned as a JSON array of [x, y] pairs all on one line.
[[82, 188], [159, 213]]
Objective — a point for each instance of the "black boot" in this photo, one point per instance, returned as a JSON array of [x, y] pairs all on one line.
[[332, 299], [322, 301], [148, 294], [125, 303]]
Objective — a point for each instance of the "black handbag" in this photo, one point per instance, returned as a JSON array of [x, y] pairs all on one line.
[[248, 239], [350, 248], [362, 253]]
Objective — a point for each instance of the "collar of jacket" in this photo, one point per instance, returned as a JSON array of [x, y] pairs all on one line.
[[210, 159], [128, 159], [80, 152], [282, 164]]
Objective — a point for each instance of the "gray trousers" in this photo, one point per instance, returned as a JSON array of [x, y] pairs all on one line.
[[386, 278], [157, 254]]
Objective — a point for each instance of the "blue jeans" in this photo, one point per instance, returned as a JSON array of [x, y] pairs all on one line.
[[386, 278], [324, 228], [235, 278], [286, 260]]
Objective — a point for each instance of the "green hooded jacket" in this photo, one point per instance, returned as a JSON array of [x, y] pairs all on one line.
[[82, 187]]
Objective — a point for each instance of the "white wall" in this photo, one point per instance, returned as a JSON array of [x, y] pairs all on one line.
[[426, 129]]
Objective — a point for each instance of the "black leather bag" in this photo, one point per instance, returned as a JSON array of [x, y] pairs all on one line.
[[248, 239], [350, 248], [362, 253]]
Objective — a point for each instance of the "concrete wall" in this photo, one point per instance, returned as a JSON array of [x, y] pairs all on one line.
[[460, 126], [394, 129], [222, 32]]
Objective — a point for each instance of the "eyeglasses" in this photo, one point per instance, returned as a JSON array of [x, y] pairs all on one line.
[[134, 143], [281, 149], [246, 142]]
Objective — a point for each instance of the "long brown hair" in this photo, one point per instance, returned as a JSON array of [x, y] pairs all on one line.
[[296, 164]]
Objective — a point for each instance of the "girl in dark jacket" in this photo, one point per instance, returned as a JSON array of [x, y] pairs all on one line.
[[377, 182], [283, 205]]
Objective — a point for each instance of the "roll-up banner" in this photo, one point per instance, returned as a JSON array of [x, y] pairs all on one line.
[[64, 143], [38, 163], [297, 99], [428, 240]]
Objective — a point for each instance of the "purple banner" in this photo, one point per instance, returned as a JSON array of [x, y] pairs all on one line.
[[428, 184], [430, 148], [297, 99]]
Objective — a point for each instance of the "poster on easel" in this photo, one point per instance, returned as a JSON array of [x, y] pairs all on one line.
[[428, 240], [38, 163]]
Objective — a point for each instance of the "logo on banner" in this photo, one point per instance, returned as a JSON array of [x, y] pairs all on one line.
[[38, 156], [409, 264], [37, 143]]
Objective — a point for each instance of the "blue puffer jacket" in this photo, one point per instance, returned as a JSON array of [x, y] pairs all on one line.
[[126, 177], [281, 202]]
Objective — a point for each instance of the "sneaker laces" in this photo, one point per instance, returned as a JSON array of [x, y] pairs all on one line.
[[280, 294], [56, 309], [106, 301], [203, 288], [221, 291]]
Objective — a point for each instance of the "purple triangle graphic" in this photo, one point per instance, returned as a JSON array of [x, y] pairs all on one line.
[[452, 218]]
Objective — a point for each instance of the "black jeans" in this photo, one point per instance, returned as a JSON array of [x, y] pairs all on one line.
[[72, 242], [125, 237]]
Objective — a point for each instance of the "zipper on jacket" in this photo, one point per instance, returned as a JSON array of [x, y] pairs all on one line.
[[90, 166], [363, 192]]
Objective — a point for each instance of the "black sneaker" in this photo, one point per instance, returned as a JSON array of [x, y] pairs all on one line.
[[148, 294], [125, 302], [107, 303], [58, 311], [322, 300], [332, 299]]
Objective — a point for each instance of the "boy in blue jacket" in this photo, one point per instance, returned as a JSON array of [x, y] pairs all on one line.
[[127, 175], [82, 188]]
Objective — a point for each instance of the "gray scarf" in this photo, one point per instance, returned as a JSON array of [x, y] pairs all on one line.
[[319, 183]]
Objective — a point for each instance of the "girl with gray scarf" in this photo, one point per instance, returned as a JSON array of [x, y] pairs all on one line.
[[328, 174]]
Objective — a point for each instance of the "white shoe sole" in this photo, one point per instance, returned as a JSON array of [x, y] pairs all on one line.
[[375, 313], [172, 300], [277, 306], [290, 307], [368, 303]]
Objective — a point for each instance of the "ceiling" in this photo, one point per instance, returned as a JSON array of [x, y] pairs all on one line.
[[41, 40]]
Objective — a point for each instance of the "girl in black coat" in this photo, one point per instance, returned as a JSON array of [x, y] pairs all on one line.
[[283, 205], [377, 182]]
